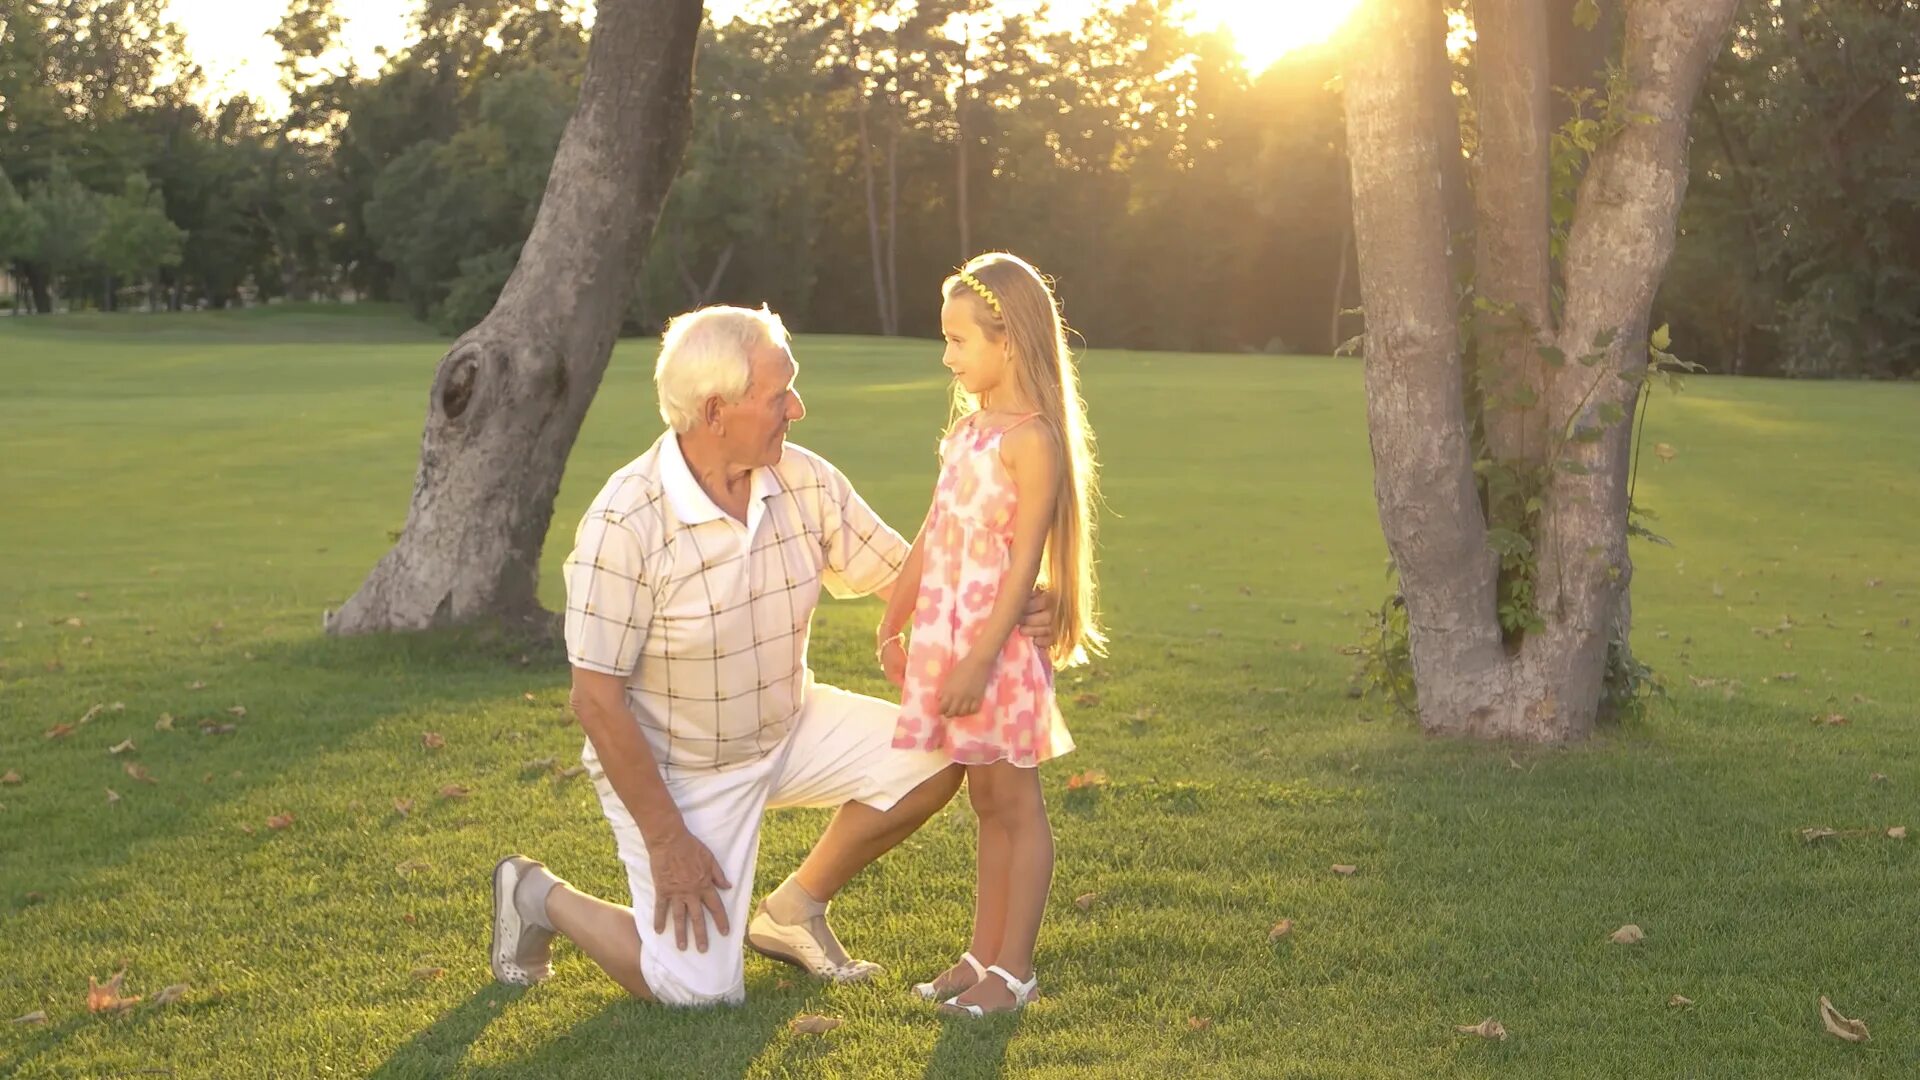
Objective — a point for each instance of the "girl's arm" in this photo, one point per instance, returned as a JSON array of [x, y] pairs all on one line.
[[1033, 459], [902, 597]]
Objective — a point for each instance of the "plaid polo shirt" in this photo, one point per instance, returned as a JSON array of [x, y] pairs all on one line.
[[707, 618]]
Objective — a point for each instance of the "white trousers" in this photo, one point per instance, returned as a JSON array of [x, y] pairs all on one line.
[[840, 750]]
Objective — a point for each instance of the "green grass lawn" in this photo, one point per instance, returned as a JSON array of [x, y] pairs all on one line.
[[181, 496]]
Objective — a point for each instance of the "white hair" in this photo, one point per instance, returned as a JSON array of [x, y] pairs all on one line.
[[709, 353]]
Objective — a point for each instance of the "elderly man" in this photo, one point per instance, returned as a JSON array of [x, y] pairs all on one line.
[[690, 595]]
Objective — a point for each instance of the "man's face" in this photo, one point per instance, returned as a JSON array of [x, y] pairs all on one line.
[[755, 427]]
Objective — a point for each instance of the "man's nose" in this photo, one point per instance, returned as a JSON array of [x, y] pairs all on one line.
[[796, 409]]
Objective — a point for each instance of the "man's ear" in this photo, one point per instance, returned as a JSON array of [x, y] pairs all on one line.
[[710, 411]]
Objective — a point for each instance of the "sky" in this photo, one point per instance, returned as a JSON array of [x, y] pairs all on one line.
[[229, 39]]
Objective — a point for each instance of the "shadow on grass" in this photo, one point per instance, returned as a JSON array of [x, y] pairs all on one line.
[[307, 697], [971, 1048], [439, 1049]]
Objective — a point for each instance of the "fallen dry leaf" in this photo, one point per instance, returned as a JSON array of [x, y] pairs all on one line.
[[1085, 901], [196, 685], [1897, 832], [425, 974], [1199, 1023], [403, 807], [539, 764], [279, 821], [1280, 929], [112, 796], [105, 997], [1088, 779], [1628, 935], [1344, 870], [814, 1024], [76, 621], [1877, 778], [59, 731], [1679, 1002], [1816, 832], [1830, 719], [570, 773], [248, 829], [1854, 1031], [165, 723], [138, 772], [1486, 1029], [433, 740], [12, 777], [1086, 701], [83, 597], [122, 747], [208, 727], [38, 1016], [412, 866], [1664, 451], [528, 695], [171, 995], [239, 711], [453, 791]]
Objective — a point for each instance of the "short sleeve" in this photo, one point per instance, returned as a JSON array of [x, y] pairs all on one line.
[[609, 606], [863, 553]]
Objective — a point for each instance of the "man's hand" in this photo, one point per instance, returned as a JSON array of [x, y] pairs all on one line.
[[686, 885], [1037, 623]]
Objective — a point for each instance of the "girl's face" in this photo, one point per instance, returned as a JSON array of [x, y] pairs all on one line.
[[974, 355]]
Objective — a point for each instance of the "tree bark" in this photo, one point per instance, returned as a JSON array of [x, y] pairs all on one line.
[[1340, 274], [508, 399], [1468, 680], [1422, 456], [874, 250], [1617, 249], [1512, 262]]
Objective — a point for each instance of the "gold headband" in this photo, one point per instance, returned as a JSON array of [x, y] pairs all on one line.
[[980, 287]]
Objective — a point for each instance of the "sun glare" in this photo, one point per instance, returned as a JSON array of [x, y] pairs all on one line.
[[1266, 30]]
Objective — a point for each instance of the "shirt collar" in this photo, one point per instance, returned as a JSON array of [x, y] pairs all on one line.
[[690, 502]]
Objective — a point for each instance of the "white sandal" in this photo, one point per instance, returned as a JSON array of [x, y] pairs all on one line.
[[930, 991], [1023, 992]]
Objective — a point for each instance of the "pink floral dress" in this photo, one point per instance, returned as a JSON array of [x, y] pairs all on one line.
[[969, 541]]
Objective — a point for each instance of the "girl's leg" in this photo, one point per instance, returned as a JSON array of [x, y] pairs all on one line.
[[1015, 804], [990, 892]]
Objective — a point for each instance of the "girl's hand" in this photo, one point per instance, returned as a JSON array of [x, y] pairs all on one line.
[[965, 688], [893, 660]]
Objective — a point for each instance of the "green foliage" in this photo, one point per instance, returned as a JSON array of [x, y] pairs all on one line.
[[1797, 252]]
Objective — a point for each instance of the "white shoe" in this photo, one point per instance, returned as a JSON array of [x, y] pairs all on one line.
[[930, 991], [1023, 992], [522, 951], [797, 945]]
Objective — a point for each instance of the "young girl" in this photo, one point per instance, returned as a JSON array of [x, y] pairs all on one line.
[[1012, 507]]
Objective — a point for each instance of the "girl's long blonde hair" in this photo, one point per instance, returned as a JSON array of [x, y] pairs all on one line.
[[1028, 320]]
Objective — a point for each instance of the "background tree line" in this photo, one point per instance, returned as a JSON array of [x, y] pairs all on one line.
[[846, 155]]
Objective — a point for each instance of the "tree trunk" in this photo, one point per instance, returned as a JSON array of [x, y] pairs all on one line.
[[1334, 340], [893, 228], [874, 251], [508, 399], [1468, 680], [38, 286], [1512, 263], [961, 196]]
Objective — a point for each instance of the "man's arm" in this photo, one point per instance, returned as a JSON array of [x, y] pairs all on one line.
[[609, 614], [686, 877]]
